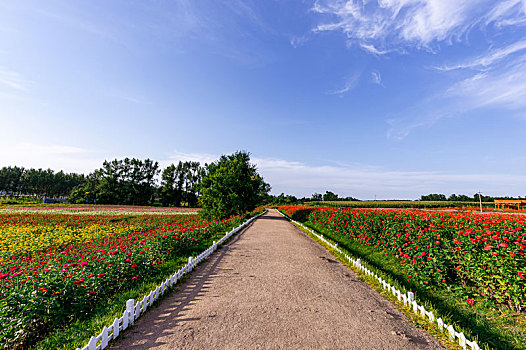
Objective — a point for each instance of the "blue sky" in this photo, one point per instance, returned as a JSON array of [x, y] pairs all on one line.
[[393, 98]]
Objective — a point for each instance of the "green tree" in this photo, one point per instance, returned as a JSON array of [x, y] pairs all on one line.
[[317, 196], [330, 196], [231, 186]]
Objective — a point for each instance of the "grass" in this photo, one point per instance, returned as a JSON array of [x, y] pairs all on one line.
[[78, 333], [493, 326]]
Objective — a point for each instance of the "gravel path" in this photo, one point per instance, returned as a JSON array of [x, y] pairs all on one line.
[[272, 287]]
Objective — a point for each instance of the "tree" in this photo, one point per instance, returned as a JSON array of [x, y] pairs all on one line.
[[231, 186], [329, 196], [181, 184], [317, 197], [434, 197]]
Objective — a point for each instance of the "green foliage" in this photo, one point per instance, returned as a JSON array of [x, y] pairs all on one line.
[[129, 181], [231, 186], [181, 184], [330, 196], [20, 182]]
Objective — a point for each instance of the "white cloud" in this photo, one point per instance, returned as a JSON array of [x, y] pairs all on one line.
[[350, 83], [297, 41], [505, 13], [13, 80], [385, 25], [376, 78], [490, 58], [505, 88], [373, 50]]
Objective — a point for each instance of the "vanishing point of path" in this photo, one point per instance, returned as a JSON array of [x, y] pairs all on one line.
[[272, 287]]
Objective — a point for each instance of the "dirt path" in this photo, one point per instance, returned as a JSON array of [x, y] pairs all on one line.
[[272, 287]]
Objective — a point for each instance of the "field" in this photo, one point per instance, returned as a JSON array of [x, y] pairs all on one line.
[[476, 261], [57, 264]]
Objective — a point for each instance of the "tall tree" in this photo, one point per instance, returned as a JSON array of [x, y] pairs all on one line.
[[231, 186]]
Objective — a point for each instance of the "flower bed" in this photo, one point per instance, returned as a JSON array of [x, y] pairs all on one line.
[[437, 249], [55, 267]]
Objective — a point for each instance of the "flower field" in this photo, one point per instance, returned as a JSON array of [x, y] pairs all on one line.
[[55, 266], [483, 253]]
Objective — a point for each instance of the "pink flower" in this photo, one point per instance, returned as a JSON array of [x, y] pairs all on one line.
[[470, 301]]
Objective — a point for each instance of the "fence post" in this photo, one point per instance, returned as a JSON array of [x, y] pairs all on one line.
[[411, 296], [104, 340], [214, 245], [130, 310], [451, 331], [92, 345], [440, 323], [462, 340]]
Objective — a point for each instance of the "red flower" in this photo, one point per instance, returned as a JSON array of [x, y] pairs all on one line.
[[470, 301], [93, 292], [521, 274], [101, 274], [133, 266], [512, 254]]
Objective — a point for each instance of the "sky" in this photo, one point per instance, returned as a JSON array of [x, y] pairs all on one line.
[[366, 98]]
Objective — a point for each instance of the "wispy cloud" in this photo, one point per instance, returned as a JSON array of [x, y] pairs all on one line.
[[297, 41], [390, 25], [498, 86], [505, 88], [13, 80], [506, 13], [371, 49], [490, 58], [350, 83], [376, 78]]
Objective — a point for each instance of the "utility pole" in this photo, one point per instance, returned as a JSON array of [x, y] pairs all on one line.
[[480, 201]]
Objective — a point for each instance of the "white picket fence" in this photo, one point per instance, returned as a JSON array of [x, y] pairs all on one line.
[[135, 309], [407, 298]]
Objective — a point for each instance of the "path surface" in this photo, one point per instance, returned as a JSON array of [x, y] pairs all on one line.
[[272, 287]]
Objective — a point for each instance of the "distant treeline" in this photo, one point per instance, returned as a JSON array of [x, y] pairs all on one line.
[[129, 181], [329, 196], [434, 200], [401, 204], [17, 181], [435, 197]]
